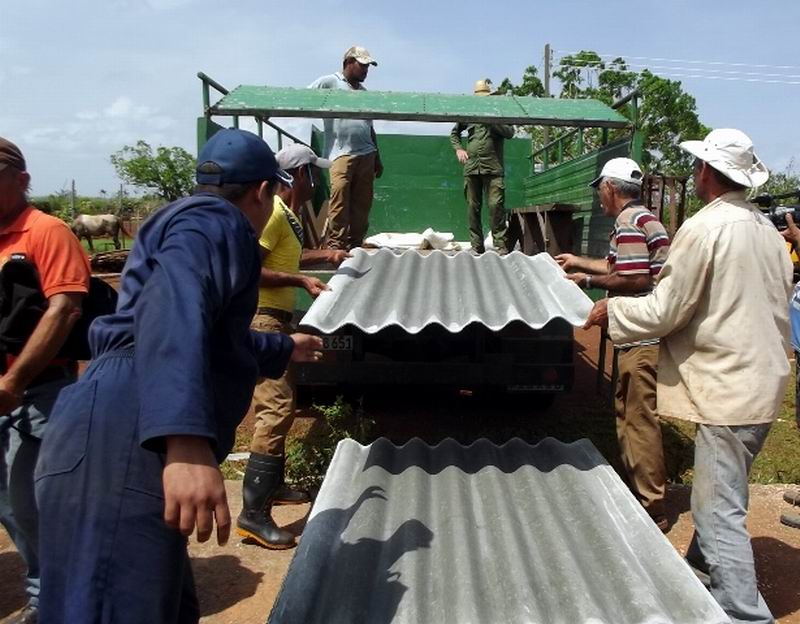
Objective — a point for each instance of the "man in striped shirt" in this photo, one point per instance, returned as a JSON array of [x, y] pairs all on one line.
[[638, 249]]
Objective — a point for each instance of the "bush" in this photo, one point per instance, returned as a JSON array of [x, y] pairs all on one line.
[[307, 459]]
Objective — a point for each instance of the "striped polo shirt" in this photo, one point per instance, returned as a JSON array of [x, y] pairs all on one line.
[[639, 246]]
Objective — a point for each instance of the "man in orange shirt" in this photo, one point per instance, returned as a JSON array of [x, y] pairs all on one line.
[[44, 275]]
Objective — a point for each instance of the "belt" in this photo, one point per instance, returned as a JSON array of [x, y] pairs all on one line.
[[282, 315]]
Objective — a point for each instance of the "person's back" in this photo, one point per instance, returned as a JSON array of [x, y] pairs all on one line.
[[731, 350]]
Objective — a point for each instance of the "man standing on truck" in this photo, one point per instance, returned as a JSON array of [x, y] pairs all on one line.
[[130, 464], [282, 257], [484, 174], [638, 250], [352, 146], [720, 310], [45, 275]]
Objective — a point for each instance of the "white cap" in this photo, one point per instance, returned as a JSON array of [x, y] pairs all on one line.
[[297, 155], [731, 153], [623, 169]]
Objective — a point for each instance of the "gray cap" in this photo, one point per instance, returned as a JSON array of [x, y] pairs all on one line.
[[296, 155]]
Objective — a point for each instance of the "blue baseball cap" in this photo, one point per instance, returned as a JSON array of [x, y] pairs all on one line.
[[236, 156]]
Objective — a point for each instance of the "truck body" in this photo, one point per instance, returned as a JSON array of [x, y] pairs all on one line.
[[422, 187]]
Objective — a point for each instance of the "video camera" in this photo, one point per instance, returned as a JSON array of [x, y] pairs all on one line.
[[777, 213]]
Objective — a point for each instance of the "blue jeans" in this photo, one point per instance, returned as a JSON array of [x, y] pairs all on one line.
[[721, 545], [20, 438]]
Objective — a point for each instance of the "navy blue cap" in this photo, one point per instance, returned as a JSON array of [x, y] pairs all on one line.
[[235, 156]]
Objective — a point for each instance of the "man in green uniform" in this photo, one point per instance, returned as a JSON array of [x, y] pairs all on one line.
[[484, 173]]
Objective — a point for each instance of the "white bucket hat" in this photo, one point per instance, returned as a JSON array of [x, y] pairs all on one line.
[[625, 169], [731, 153]]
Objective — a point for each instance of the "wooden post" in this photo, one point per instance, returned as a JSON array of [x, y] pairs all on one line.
[[72, 200]]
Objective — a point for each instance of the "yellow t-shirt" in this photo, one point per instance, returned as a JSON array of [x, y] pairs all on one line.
[[282, 239]]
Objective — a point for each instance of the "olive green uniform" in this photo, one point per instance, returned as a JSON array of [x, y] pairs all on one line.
[[484, 174]]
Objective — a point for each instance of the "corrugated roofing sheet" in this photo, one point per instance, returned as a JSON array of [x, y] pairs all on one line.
[[373, 290], [400, 106], [542, 534]]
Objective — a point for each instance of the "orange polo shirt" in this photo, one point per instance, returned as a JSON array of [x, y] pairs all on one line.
[[48, 244]]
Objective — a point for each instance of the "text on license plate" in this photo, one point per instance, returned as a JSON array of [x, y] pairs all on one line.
[[337, 343]]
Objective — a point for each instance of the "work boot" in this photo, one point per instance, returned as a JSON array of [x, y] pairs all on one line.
[[792, 496], [262, 478], [285, 495], [791, 520]]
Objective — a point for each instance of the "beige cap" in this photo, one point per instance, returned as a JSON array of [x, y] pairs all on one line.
[[483, 87], [360, 54], [730, 152]]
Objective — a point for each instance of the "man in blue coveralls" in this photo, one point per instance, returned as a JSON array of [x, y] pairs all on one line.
[[130, 466]]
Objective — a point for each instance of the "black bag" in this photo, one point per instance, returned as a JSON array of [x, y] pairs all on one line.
[[22, 304]]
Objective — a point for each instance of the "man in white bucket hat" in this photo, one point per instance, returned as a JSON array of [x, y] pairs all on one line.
[[720, 309]]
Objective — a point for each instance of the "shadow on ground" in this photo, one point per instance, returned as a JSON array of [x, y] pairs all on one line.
[[12, 592], [225, 582], [777, 566]]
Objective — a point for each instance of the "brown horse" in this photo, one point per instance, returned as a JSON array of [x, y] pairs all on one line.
[[87, 226]]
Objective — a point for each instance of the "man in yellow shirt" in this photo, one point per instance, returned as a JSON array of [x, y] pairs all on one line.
[[282, 257]]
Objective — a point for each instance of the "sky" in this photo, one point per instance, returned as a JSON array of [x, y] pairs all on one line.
[[81, 79]]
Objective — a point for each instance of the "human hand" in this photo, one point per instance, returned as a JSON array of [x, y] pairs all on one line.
[[567, 261], [306, 348], [314, 286], [578, 278], [599, 315], [792, 233], [378, 167], [337, 256], [10, 396], [194, 491], [462, 156]]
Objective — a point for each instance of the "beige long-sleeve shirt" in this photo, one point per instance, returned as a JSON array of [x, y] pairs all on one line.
[[721, 309]]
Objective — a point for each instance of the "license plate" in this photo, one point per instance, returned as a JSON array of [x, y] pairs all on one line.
[[337, 343]]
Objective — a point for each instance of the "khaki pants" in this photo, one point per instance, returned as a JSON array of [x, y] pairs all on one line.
[[638, 429], [352, 181], [273, 400], [494, 187]]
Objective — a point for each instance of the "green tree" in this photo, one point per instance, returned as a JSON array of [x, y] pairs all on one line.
[[667, 114], [169, 171], [780, 182]]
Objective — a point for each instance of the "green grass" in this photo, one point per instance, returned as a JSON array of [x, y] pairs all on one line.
[[105, 244]]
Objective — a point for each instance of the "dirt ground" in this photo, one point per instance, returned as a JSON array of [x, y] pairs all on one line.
[[239, 582]]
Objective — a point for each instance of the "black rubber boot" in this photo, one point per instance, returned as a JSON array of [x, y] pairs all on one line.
[[285, 495], [262, 478]]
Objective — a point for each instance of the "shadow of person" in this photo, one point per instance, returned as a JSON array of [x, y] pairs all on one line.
[[12, 580], [332, 580], [777, 564], [222, 581]]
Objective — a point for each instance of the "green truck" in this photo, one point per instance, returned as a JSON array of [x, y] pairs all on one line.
[[552, 209]]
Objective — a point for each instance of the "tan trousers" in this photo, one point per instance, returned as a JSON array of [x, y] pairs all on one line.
[[273, 400], [638, 429], [352, 182]]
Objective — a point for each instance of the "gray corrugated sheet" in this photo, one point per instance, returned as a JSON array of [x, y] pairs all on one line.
[[373, 290], [484, 534]]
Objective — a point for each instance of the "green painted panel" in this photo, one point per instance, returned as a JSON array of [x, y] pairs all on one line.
[[423, 185], [568, 183], [205, 130], [397, 105]]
